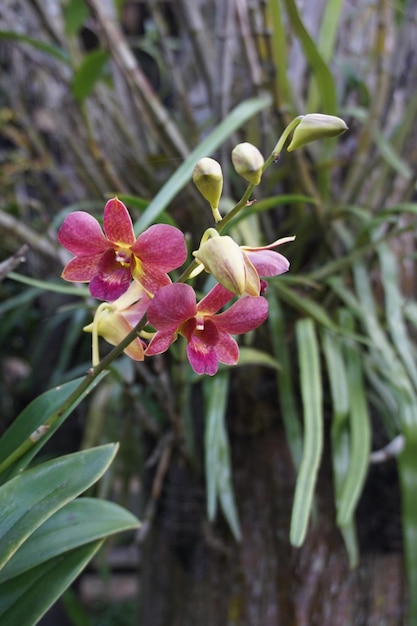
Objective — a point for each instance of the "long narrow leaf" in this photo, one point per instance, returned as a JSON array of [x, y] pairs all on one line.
[[311, 393], [218, 466], [360, 437], [286, 394]]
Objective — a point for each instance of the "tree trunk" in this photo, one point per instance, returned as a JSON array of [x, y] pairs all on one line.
[[195, 574]]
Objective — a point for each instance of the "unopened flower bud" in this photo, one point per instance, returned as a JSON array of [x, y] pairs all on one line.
[[208, 178], [316, 126], [248, 162], [222, 257]]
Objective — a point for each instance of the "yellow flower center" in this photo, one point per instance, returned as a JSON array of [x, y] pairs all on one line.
[[123, 256]]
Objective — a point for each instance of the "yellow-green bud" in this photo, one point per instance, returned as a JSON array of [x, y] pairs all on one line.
[[248, 162], [208, 178], [229, 264], [316, 126]]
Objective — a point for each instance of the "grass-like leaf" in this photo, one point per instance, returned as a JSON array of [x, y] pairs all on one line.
[[311, 394], [217, 453]]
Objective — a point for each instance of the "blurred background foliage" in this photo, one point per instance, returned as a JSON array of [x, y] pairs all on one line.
[[99, 98]]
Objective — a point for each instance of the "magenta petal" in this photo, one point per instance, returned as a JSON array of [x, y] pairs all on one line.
[[118, 223], [214, 300], [244, 315], [150, 277], [112, 279], [81, 234], [202, 349], [111, 287], [268, 262], [82, 269], [227, 349], [171, 306], [161, 245], [160, 342]]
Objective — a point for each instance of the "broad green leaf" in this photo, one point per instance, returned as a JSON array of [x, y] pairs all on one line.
[[79, 522], [31, 498], [53, 51], [311, 395], [88, 73], [236, 118], [38, 421], [217, 452], [24, 599]]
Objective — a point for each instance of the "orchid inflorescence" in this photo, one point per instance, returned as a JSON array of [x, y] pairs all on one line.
[[130, 274]]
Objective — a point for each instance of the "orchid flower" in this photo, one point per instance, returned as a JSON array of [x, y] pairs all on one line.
[[109, 260], [174, 311], [114, 320]]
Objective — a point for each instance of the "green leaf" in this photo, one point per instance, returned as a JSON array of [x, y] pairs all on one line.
[[394, 306], [311, 394], [88, 73], [53, 51], [322, 73], [306, 306], [46, 285], [75, 14], [37, 423], [29, 499], [24, 599], [236, 118], [77, 523], [217, 452], [252, 356], [359, 432], [285, 379]]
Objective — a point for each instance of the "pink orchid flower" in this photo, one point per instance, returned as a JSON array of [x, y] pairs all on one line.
[[114, 320], [109, 260], [174, 311]]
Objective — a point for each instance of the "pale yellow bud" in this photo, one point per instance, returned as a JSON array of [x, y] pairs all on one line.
[[316, 126], [208, 178], [222, 257], [248, 162]]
